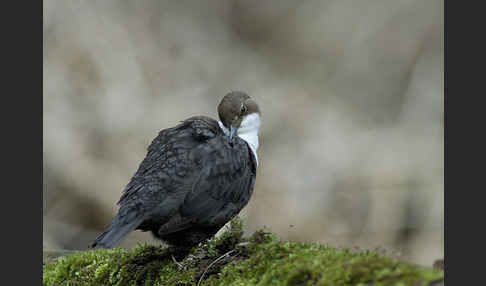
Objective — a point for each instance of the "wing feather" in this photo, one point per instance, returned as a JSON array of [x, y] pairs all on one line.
[[224, 185], [158, 188]]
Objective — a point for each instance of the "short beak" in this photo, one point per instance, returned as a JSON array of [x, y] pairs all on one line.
[[232, 133]]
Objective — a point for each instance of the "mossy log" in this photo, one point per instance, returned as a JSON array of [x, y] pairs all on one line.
[[230, 259]]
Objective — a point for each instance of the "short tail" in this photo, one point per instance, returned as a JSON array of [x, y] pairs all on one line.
[[115, 232]]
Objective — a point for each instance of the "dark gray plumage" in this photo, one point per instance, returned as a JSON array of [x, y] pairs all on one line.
[[194, 179]]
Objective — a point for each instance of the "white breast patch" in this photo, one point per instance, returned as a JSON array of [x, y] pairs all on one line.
[[248, 131]]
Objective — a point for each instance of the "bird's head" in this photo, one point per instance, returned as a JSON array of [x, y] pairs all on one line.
[[239, 114]]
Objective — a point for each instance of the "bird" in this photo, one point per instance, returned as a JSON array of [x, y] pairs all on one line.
[[196, 176]]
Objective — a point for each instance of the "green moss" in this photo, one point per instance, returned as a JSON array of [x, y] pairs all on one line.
[[261, 259]]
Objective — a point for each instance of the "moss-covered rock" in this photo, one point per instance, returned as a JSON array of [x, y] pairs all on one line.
[[230, 259]]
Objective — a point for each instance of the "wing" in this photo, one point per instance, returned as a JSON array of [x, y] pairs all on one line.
[[169, 161], [162, 180], [222, 188]]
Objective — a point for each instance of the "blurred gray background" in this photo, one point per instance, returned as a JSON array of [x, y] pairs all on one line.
[[351, 93]]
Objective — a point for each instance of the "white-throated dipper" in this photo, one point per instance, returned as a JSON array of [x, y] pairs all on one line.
[[195, 178]]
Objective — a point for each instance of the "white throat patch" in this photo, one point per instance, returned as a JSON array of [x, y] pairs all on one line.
[[248, 131]]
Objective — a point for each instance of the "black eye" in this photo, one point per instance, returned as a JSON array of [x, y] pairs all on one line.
[[244, 109]]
